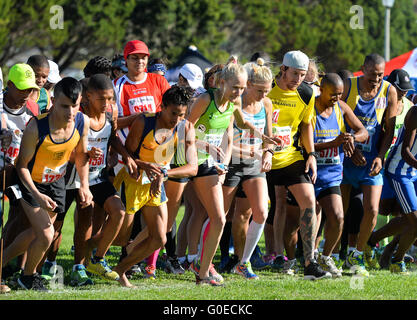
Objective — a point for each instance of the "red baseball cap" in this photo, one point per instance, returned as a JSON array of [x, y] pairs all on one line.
[[135, 46]]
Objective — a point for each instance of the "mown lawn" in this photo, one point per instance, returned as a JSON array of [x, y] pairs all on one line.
[[381, 285]]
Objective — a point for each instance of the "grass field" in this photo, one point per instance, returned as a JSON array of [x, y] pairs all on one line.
[[381, 285]]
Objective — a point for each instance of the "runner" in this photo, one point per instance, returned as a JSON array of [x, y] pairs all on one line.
[[40, 66], [53, 78], [374, 101], [333, 143], [118, 67], [389, 205], [248, 165], [153, 140], [46, 146], [293, 109]]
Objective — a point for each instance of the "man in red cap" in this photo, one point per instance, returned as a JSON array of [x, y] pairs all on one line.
[[137, 91]]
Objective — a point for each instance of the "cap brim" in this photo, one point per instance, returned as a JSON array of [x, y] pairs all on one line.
[[137, 52], [195, 84], [406, 87], [26, 85], [54, 79]]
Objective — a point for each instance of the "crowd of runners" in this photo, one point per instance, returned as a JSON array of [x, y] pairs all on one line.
[[323, 165]]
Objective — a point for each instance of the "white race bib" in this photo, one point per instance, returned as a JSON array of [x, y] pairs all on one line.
[[367, 145], [142, 104], [51, 175], [328, 156], [283, 133]]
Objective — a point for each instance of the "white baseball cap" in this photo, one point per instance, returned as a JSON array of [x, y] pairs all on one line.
[[53, 76], [193, 74], [296, 60]]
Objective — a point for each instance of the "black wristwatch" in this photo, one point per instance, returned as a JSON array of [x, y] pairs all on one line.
[[314, 154], [165, 173]]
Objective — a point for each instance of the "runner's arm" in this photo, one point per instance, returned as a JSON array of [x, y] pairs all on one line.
[[410, 126], [389, 125], [190, 169], [361, 134]]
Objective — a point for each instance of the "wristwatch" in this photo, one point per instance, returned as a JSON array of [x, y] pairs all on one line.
[[165, 173], [314, 154], [270, 151]]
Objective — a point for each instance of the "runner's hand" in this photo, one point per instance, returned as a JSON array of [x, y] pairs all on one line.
[[349, 145], [358, 159], [216, 152], [311, 164], [6, 138], [272, 140], [86, 196], [132, 168], [151, 169], [46, 202], [221, 168], [156, 184], [376, 167], [266, 162], [95, 153]]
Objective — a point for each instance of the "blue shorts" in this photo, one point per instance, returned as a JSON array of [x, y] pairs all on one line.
[[405, 191], [359, 176], [387, 190]]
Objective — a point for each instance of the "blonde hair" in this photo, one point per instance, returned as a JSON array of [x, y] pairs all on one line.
[[232, 70], [258, 72]]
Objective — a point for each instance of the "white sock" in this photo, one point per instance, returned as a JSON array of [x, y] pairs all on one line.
[[182, 259], [252, 237], [191, 257], [324, 257]]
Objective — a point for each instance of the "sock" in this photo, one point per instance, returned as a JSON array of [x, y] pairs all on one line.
[[351, 249], [324, 257], [336, 256], [182, 259], [252, 237], [191, 257], [151, 260]]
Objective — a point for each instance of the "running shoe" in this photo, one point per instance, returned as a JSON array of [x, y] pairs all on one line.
[[327, 264], [408, 259], [48, 270], [231, 264], [173, 266], [314, 272], [223, 262], [195, 267], [338, 263], [150, 272], [208, 282], [79, 277], [33, 282], [356, 264], [185, 265], [269, 258], [290, 267], [256, 260], [246, 271], [399, 268], [278, 263], [133, 271], [4, 288], [370, 257], [214, 274], [102, 269]]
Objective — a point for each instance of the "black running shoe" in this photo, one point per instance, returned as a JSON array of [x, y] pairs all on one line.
[[231, 264], [314, 272], [33, 282], [278, 263]]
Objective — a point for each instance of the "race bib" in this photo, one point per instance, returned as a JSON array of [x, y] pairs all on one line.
[[142, 104], [283, 133], [328, 156], [95, 167], [367, 145], [51, 175]]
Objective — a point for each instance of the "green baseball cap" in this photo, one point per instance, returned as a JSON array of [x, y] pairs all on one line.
[[23, 76]]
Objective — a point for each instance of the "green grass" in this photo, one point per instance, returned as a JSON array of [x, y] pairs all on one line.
[[381, 285]]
